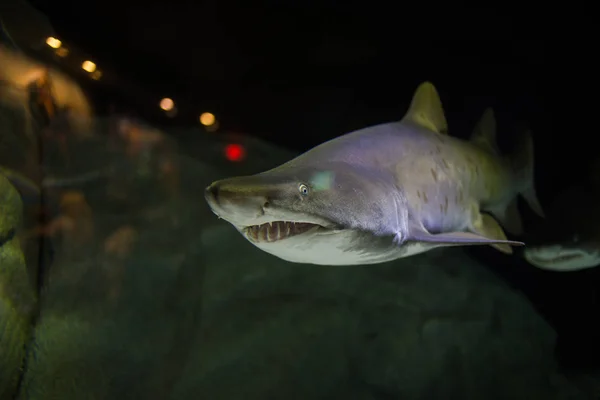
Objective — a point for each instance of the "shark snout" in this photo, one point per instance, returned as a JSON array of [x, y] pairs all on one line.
[[235, 203], [211, 194]]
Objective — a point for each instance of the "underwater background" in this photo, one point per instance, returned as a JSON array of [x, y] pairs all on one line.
[[118, 282]]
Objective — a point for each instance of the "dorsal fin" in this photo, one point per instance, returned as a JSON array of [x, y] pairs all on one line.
[[426, 109], [484, 134]]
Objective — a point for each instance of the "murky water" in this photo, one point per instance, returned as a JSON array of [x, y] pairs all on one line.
[[130, 288]]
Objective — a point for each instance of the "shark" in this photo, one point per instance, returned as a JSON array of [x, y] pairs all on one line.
[[569, 238], [385, 192], [30, 191]]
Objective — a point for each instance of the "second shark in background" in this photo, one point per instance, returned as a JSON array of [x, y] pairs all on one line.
[[569, 238]]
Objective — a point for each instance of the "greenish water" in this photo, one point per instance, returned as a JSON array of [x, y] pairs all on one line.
[[140, 292]]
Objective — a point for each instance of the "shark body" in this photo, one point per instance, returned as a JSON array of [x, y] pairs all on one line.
[[384, 192]]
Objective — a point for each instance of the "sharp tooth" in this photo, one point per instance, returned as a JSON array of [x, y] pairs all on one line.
[[277, 232], [264, 233]]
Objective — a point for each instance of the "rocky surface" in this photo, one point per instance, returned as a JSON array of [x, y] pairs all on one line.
[[168, 302], [17, 299], [196, 311]]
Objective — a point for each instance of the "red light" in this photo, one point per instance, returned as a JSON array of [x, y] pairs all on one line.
[[234, 152]]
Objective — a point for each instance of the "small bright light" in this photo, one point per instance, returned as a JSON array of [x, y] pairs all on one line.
[[167, 104], [96, 75], [207, 119], [88, 66], [62, 52], [53, 42], [234, 152]]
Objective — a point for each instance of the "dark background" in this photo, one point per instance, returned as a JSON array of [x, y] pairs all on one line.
[[297, 73]]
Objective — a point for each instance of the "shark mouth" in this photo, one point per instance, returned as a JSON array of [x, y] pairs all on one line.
[[554, 255], [563, 259], [278, 230], [555, 259]]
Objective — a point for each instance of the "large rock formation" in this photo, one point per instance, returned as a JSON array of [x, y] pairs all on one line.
[[194, 310], [17, 299]]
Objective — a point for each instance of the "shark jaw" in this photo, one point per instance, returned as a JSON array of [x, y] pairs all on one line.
[[306, 238], [559, 258], [308, 243], [320, 243], [279, 230]]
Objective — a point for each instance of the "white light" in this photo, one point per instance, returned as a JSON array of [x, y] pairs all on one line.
[[53, 42], [207, 119], [88, 66], [167, 104]]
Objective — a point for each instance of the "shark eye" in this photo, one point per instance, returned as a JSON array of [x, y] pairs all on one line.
[[303, 189]]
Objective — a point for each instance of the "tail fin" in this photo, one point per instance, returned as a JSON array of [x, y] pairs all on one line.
[[522, 162]]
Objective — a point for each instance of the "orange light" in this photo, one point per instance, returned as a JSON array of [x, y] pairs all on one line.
[[207, 119], [88, 66], [167, 104], [97, 75], [62, 52], [235, 152], [53, 42]]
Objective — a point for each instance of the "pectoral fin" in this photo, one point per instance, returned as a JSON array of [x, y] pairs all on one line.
[[464, 239], [489, 228]]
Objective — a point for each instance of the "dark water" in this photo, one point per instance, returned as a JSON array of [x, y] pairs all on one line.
[[139, 292]]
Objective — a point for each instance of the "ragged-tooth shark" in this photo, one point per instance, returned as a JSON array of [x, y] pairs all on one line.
[[25, 185], [384, 192], [569, 239]]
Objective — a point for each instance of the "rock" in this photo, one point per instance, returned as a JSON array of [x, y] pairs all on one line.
[[200, 312], [17, 299]]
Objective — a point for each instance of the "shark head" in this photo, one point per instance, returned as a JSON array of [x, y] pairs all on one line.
[[330, 213], [569, 240], [569, 255]]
